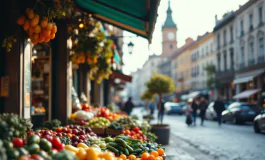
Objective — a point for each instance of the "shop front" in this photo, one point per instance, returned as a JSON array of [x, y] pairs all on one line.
[[248, 84]]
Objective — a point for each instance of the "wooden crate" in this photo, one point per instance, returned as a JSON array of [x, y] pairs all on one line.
[[110, 131], [99, 131]]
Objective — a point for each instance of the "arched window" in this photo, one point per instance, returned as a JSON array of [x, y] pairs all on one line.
[[260, 37]]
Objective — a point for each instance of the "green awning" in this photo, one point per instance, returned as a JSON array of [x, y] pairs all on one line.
[[136, 16]]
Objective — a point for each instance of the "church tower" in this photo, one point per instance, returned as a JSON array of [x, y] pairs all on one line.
[[169, 33]]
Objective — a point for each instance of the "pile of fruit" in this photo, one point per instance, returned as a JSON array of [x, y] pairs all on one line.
[[106, 113], [135, 133], [98, 122], [125, 123], [38, 28]]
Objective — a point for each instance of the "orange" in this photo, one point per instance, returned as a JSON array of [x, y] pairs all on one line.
[[47, 39], [92, 154], [81, 154], [123, 156], [154, 153], [52, 36], [161, 151], [41, 38], [159, 158], [49, 26], [35, 21], [26, 25], [37, 29], [46, 32], [31, 29], [34, 42], [43, 24], [27, 11], [21, 20], [31, 14], [145, 156], [35, 36], [54, 29], [151, 157], [132, 157]]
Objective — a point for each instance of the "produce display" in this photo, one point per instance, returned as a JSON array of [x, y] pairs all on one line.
[[78, 142], [106, 113], [98, 122]]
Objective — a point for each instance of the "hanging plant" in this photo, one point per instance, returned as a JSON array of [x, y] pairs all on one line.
[[91, 46]]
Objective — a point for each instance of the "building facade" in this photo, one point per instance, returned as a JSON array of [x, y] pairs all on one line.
[[250, 62], [202, 55], [182, 67], [225, 31]]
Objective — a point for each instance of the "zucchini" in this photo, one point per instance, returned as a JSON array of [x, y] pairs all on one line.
[[113, 149], [126, 152], [121, 141], [113, 144], [129, 148]]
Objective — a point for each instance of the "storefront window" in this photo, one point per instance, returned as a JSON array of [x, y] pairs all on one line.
[[41, 84]]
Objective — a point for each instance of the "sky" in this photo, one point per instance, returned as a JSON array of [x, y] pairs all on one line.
[[193, 18]]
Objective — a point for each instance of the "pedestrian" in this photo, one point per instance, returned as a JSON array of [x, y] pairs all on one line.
[[161, 110], [194, 107], [152, 107], [203, 107], [219, 107], [129, 106], [189, 112]]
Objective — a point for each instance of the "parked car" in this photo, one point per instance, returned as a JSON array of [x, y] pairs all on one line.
[[240, 112], [259, 122], [171, 107], [210, 112]]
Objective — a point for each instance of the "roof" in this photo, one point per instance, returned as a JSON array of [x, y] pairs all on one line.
[[169, 23], [245, 6], [226, 19]]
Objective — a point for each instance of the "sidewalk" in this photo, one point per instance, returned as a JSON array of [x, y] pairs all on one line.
[[178, 149]]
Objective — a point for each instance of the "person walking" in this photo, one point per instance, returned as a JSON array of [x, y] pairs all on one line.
[[203, 107], [129, 106], [189, 112], [152, 107], [194, 107], [161, 110], [219, 107]]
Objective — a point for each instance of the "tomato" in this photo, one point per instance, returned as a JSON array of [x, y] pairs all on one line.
[[56, 142], [30, 133], [136, 129], [82, 137], [58, 129], [133, 133], [161, 151], [127, 132], [60, 147], [64, 130], [36, 157], [18, 142], [59, 134], [48, 137], [140, 132]]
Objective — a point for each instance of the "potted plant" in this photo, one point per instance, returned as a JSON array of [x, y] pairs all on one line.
[[158, 85]]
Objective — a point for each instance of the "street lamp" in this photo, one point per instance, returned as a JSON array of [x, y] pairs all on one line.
[[130, 47]]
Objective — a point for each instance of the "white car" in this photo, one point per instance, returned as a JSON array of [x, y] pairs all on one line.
[[171, 107]]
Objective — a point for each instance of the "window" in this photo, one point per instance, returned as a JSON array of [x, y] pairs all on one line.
[[202, 52], [250, 18], [224, 37], [171, 46], [219, 61], [197, 55], [231, 34], [207, 52], [242, 60], [211, 47], [241, 27], [260, 15], [261, 47], [232, 58], [251, 51], [218, 40], [225, 61]]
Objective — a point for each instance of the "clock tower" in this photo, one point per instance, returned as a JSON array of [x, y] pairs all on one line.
[[169, 33]]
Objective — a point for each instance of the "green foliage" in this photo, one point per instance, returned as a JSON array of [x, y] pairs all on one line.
[[210, 69], [52, 124], [147, 96], [160, 84]]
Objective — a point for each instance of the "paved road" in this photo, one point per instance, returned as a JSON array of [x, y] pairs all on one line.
[[211, 142]]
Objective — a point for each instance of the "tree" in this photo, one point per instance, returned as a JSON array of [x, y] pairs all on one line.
[[147, 96], [211, 82], [158, 85]]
